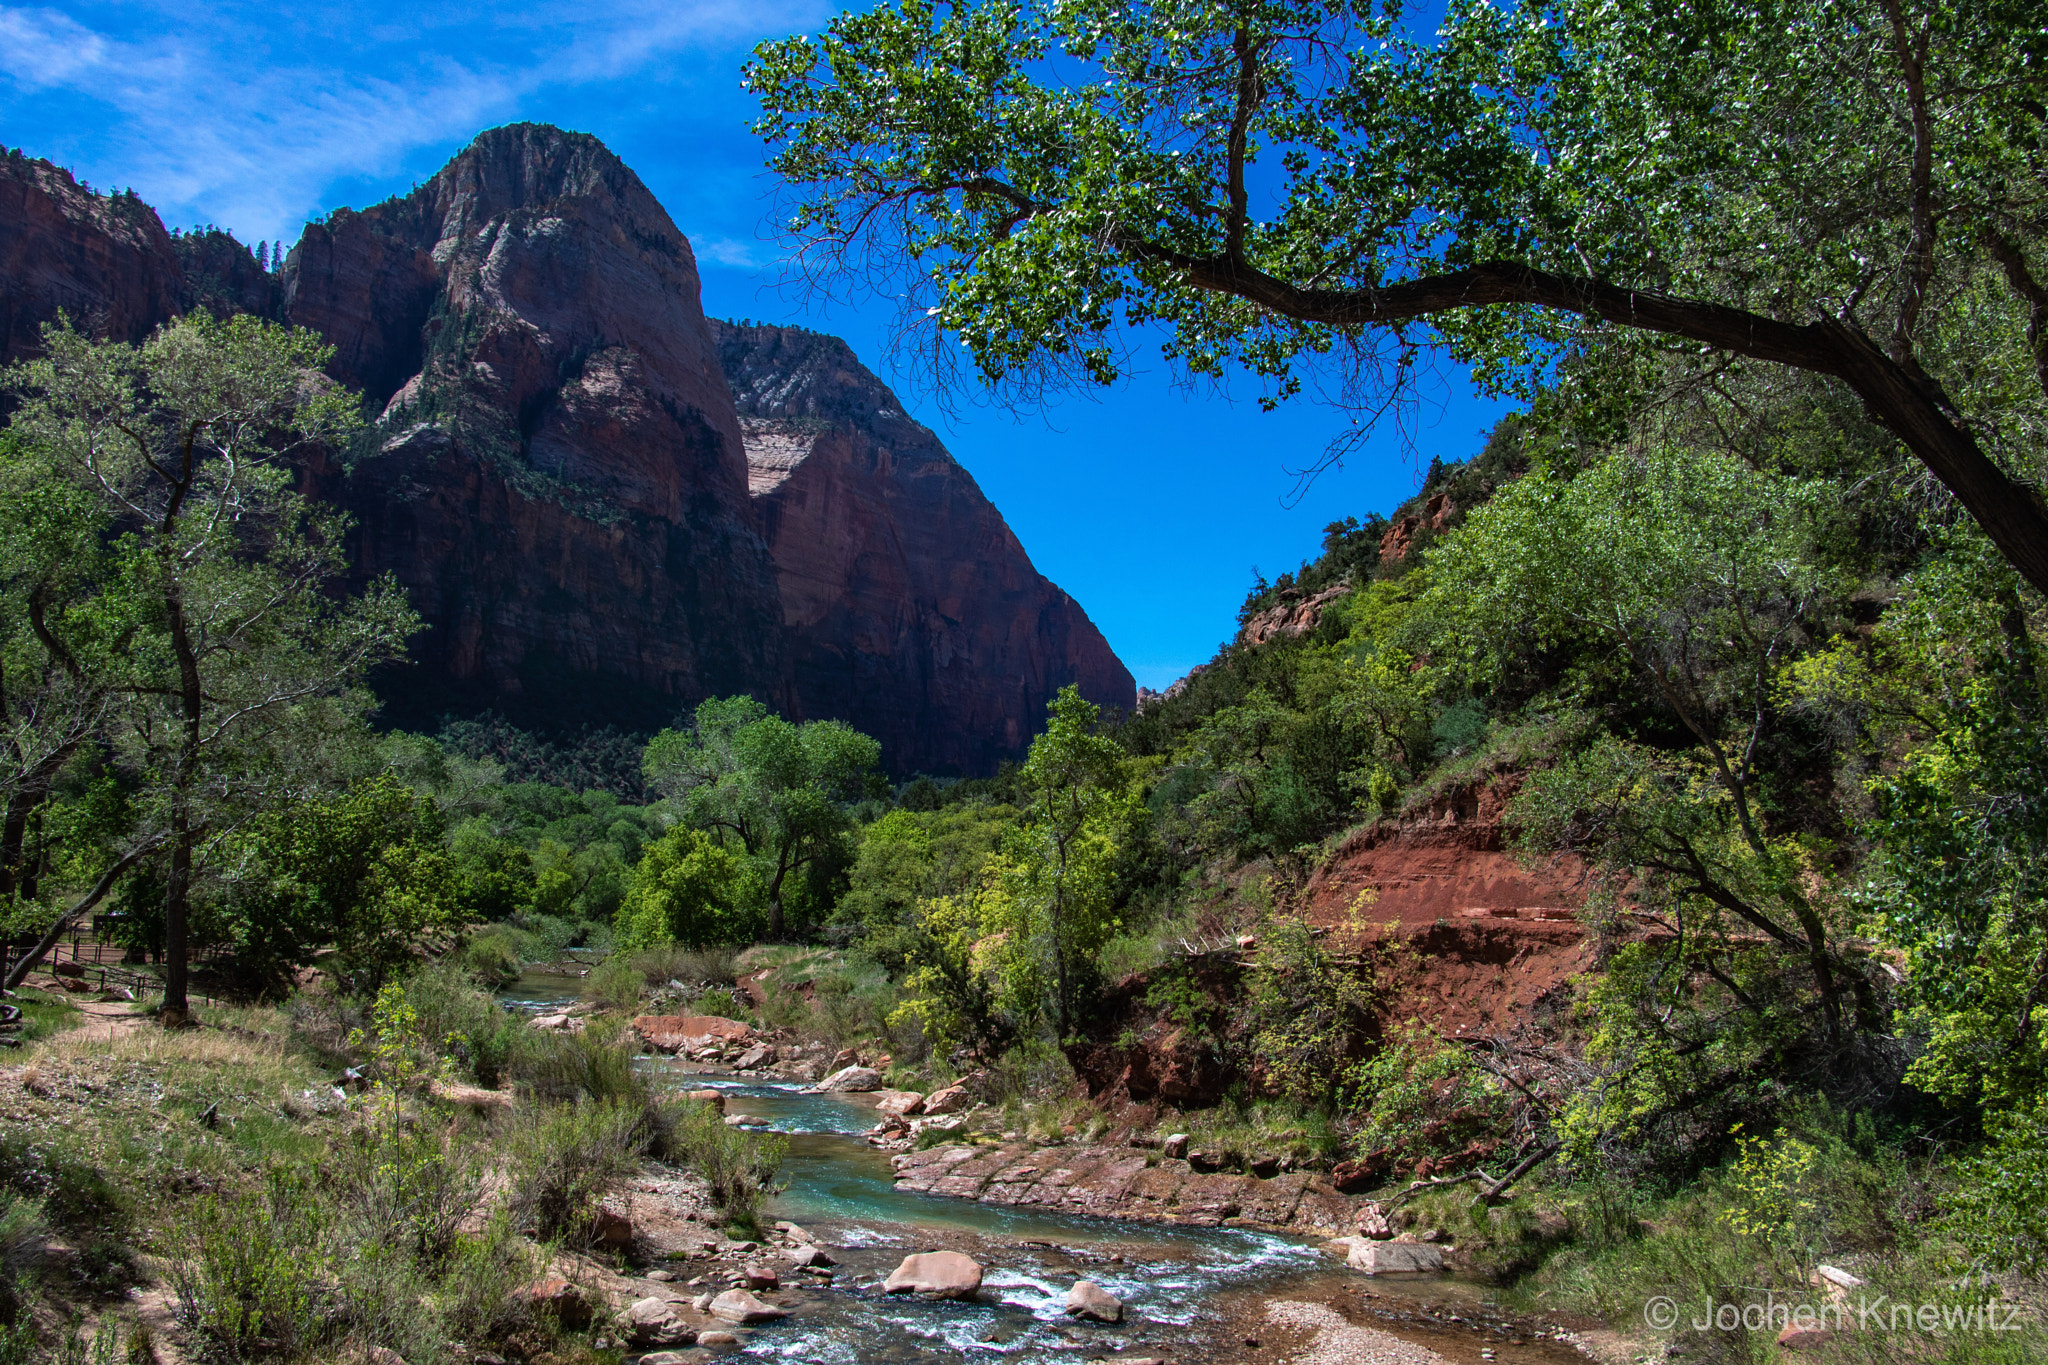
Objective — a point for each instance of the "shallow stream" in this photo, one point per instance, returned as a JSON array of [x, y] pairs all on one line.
[[1184, 1289], [1190, 1294]]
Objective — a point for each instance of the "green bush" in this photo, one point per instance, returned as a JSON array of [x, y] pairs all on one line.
[[564, 1156], [616, 983], [688, 890], [740, 1167], [254, 1281], [595, 1064], [475, 1032], [494, 954]]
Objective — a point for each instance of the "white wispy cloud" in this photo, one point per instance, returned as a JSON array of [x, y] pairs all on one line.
[[248, 123]]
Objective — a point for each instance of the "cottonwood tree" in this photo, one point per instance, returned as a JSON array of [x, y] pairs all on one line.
[[239, 653], [1815, 184], [781, 789]]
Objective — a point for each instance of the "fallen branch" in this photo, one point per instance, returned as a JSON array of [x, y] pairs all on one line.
[[1528, 1164], [17, 973]]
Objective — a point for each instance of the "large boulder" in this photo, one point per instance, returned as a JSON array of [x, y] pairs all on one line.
[[1088, 1299], [714, 1098], [853, 1079], [553, 1296], [942, 1274], [901, 1103], [675, 1032], [1385, 1258], [806, 1257], [951, 1100], [653, 1322], [737, 1305]]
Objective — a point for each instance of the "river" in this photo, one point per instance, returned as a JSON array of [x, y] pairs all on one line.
[[1190, 1294]]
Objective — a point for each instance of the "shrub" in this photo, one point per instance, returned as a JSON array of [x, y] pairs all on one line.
[[691, 966], [494, 954], [565, 1156], [740, 1167], [616, 983], [254, 1281], [595, 1064], [477, 1033]]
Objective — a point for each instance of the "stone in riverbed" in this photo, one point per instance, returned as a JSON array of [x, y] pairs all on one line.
[[737, 1305], [711, 1338], [942, 1274], [714, 1098], [666, 1358], [805, 1257], [1383, 1258], [1088, 1299], [853, 1079], [676, 1032], [653, 1322], [900, 1103]]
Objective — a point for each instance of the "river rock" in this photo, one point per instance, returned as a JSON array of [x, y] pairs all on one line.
[[948, 1101], [714, 1337], [714, 1098], [1797, 1338], [737, 1305], [556, 1297], [1373, 1223], [1088, 1299], [902, 1103], [612, 1224], [668, 1357], [675, 1032], [942, 1274], [853, 1079], [758, 1276], [808, 1256], [1382, 1258], [654, 1322], [758, 1055], [1175, 1147]]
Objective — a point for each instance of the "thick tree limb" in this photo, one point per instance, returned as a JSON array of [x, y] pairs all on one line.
[[20, 970], [2011, 513]]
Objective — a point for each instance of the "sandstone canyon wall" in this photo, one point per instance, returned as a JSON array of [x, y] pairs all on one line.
[[907, 598], [593, 528]]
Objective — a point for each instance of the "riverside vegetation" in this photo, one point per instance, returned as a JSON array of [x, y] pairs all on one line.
[[1743, 629]]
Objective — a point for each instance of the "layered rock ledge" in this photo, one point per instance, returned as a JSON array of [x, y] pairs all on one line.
[[1123, 1182]]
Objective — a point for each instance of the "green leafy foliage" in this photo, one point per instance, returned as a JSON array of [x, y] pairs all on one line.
[[690, 891], [780, 791]]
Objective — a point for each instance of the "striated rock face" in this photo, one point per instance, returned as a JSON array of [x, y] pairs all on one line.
[[912, 609], [104, 260], [556, 473]]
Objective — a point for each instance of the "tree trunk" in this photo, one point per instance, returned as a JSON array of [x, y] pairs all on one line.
[[176, 1009]]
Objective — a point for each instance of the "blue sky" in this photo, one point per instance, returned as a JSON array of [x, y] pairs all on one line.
[[1150, 504]]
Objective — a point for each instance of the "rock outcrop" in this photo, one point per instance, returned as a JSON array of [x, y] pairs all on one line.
[[1118, 1182], [909, 602], [557, 472]]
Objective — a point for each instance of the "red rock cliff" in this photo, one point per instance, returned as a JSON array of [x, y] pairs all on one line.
[[912, 609], [558, 473]]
